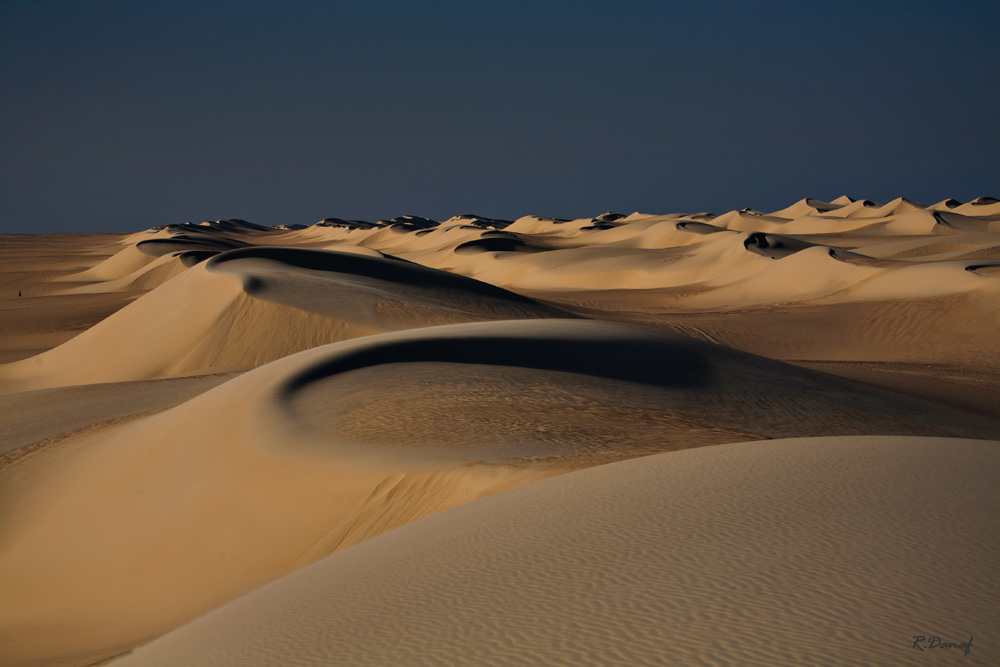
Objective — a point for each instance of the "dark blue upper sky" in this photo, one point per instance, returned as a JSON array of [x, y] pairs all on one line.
[[120, 115]]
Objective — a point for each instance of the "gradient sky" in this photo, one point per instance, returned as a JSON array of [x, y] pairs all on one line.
[[120, 115]]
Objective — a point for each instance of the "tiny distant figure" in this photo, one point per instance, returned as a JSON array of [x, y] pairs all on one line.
[[19, 292]]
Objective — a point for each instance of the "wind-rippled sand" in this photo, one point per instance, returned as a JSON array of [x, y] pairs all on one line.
[[751, 438]]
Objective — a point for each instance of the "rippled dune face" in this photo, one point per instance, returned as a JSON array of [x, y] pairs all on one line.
[[195, 413], [737, 551]]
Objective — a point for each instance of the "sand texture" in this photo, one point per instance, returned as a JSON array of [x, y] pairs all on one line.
[[748, 438], [813, 551]]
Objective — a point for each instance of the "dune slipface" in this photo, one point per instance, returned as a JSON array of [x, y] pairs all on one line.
[[193, 414]]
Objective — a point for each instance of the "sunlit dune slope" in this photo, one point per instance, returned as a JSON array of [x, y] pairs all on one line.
[[805, 551]]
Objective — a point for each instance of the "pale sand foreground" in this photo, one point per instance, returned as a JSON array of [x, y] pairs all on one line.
[[262, 403], [816, 551]]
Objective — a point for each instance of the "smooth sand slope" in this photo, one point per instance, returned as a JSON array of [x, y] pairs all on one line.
[[817, 551], [318, 451], [30, 420]]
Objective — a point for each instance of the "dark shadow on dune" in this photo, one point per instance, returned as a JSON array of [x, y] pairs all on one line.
[[960, 223], [984, 269], [600, 226], [346, 224], [237, 225], [821, 206], [698, 228], [858, 259], [391, 269], [191, 257], [183, 242], [472, 221], [497, 244], [778, 247], [650, 362], [773, 245], [410, 222], [219, 227]]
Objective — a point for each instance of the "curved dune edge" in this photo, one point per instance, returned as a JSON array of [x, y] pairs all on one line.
[[247, 307], [800, 552], [147, 277], [273, 469]]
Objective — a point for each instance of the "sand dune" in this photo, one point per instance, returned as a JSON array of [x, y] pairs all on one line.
[[195, 411], [807, 552], [139, 274], [246, 307]]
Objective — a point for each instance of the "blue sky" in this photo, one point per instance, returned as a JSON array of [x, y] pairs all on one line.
[[121, 115]]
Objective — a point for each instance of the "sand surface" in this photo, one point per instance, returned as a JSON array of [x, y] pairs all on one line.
[[813, 551], [746, 438]]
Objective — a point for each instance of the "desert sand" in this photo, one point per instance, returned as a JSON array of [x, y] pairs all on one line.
[[747, 438], [734, 554]]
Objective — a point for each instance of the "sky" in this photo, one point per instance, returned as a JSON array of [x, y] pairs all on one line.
[[118, 115]]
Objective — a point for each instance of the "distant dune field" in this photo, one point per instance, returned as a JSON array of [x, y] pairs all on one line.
[[750, 438]]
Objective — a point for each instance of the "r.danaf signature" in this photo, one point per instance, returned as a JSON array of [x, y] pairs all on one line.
[[921, 642]]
